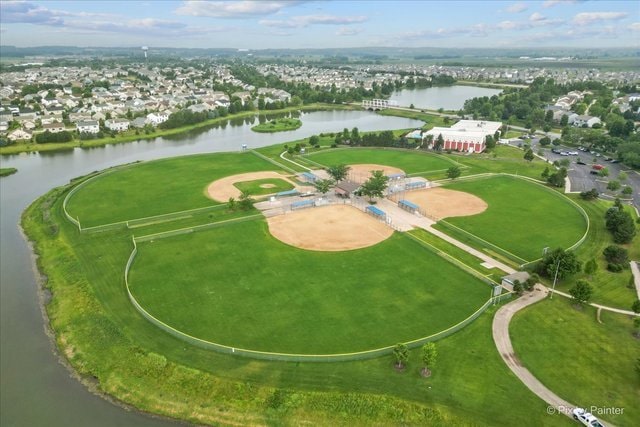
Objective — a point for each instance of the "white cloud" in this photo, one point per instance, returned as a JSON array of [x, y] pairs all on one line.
[[507, 25], [517, 8], [232, 9], [307, 20], [634, 27], [348, 31], [551, 3], [536, 17], [586, 18]]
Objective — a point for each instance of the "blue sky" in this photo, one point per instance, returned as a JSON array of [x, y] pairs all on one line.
[[321, 24]]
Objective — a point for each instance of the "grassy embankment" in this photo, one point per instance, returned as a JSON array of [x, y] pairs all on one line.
[[105, 339], [586, 362], [277, 125], [131, 135]]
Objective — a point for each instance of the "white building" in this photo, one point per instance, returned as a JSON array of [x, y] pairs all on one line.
[[89, 126], [54, 127], [589, 121], [117, 125], [156, 118], [465, 136]]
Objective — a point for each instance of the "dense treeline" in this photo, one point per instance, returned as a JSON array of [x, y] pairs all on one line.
[[47, 136], [184, 118]]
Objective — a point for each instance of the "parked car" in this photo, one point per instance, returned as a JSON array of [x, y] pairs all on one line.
[[615, 161], [573, 153], [594, 172], [597, 167], [580, 162], [586, 418], [555, 150]]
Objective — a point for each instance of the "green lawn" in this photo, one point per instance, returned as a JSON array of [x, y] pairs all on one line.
[[7, 171], [277, 125], [410, 162], [610, 289], [260, 187], [582, 361], [503, 158], [522, 217], [157, 187], [244, 288]]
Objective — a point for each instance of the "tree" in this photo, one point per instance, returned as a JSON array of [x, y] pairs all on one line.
[[245, 202], [314, 140], [490, 142], [589, 195], [338, 172], [565, 262], [401, 355], [323, 185], [531, 281], [581, 292], [544, 141], [620, 223], [528, 155], [374, 186], [591, 267], [635, 307], [564, 120], [429, 354], [545, 173], [454, 172], [604, 172], [439, 143], [518, 287], [557, 179], [622, 176], [613, 185], [232, 204], [616, 254], [627, 191]]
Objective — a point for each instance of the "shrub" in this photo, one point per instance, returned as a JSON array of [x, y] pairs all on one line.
[[616, 254], [615, 268]]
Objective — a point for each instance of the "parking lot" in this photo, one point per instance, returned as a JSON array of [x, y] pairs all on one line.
[[580, 175]]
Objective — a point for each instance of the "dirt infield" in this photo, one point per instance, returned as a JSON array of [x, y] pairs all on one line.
[[221, 189], [361, 172], [443, 203], [328, 228]]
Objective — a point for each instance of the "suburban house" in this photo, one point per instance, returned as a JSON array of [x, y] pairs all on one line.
[[54, 127], [88, 126], [19, 134], [582, 121], [157, 118], [465, 136], [117, 125], [139, 122]]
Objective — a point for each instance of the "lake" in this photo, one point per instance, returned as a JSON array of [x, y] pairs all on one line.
[[447, 97], [36, 390]]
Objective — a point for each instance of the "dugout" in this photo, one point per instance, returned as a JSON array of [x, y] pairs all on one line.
[[408, 206]]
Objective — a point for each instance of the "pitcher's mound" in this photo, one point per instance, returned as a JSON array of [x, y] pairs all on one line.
[[328, 228], [442, 203]]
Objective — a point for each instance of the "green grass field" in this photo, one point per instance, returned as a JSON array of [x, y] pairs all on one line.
[[255, 188], [244, 288], [409, 161], [582, 361], [157, 187], [522, 217], [277, 125]]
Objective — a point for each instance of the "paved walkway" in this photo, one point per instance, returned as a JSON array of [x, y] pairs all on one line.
[[636, 276], [502, 340], [604, 307]]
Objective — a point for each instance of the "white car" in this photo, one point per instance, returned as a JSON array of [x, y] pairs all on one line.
[[586, 418]]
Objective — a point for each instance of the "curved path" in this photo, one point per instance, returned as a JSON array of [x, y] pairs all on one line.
[[502, 340]]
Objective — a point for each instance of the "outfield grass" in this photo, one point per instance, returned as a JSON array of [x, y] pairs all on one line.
[[244, 288], [157, 187], [581, 360], [410, 162], [255, 187], [109, 343], [277, 125], [522, 217]]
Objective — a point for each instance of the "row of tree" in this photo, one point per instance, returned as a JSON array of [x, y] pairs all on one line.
[[428, 357]]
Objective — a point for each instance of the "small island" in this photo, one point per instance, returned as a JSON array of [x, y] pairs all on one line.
[[277, 125], [7, 171]]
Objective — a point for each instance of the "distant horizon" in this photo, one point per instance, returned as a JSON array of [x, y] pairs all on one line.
[[302, 24]]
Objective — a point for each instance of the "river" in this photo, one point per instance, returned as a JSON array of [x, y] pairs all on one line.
[[447, 97], [35, 389]]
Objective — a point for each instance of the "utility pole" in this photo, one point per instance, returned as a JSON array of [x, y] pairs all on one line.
[[554, 280]]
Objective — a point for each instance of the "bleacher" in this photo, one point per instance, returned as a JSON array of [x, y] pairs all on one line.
[[415, 185], [378, 213], [309, 177], [408, 206], [288, 193], [303, 204]]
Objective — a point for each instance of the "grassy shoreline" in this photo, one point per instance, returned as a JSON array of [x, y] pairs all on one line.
[[34, 147], [7, 171], [277, 125]]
